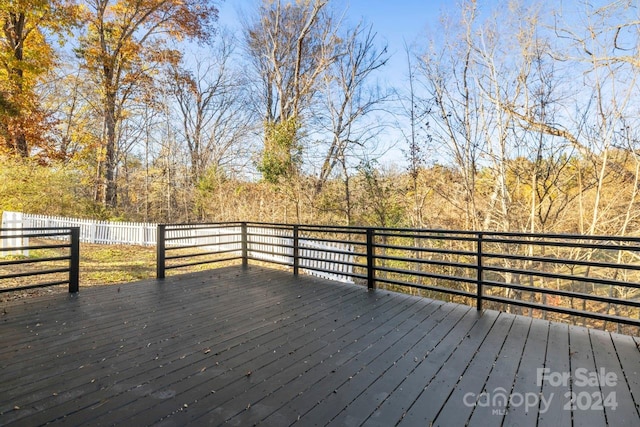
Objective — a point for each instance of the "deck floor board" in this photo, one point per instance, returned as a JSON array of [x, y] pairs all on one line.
[[552, 411], [582, 359], [623, 411], [471, 383], [260, 346]]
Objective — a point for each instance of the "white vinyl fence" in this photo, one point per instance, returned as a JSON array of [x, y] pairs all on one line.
[[279, 245], [274, 244], [215, 239], [330, 261], [13, 220], [100, 232], [271, 240]]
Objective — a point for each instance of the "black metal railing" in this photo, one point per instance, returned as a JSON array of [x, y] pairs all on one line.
[[60, 259], [593, 277], [180, 245]]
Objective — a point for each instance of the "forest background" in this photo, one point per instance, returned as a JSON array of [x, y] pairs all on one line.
[[520, 116]]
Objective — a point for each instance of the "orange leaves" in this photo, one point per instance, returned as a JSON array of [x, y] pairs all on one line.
[[122, 36], [26, 56], [122, 47]]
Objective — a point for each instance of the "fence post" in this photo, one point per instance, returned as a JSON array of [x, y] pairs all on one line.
[[245, 252], [296, 250], [160, 250], [479, 278], [371, 273], [74, 262]]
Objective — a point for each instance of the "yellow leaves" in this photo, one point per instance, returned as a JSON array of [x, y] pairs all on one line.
[[26, 57], [129, 33]]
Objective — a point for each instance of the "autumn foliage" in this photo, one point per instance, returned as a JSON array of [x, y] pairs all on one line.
[[150, 110]]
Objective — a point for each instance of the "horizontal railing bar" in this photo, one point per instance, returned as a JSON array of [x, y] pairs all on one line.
[[427, 275], [201, 236], [200, 254], [14, 230], [34, 273], [34, 260], [262, 251], [191, 226], [429, 250], [424, 236], [34, 235], [347, 229], [270, 261], [170, 231], [353, 239], [330, 250], [389, 230], [571, 244], [39, 285], [561, 261], [427, 287], [595, 280], [564, 310], [191, 264], [331, 261], [323, 240], [200, 245], [392, 229], [559, 236], [325, 270], [271, 236], [277, 245], [35, 247], [569, 294], [333, 229], [426, 261], [268, 227]]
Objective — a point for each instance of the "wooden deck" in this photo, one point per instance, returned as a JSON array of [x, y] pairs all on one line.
[[260, 346]]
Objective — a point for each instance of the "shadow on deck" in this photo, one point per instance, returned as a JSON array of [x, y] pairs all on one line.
[[261, 346]]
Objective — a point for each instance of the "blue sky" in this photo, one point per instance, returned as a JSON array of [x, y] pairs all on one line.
[[394, 21]]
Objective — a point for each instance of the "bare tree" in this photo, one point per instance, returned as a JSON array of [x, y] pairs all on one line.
[[349, 100], [350, 116], [454, 121], [417, 140], [596, 49], [290, 46], [209, 103]]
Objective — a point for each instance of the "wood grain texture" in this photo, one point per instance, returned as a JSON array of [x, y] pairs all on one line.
[[260, 346]]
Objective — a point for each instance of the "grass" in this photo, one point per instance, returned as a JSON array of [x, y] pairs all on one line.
[[100, 265], [113, 264]]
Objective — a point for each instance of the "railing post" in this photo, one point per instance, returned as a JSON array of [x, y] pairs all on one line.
[[74, 262], [296, 250], [371, 267], [479, 278], [160, 250], [245, 252]]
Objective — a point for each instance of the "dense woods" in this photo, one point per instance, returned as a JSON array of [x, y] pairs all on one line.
[[522, 118]]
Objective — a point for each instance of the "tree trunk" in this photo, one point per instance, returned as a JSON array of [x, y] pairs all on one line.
[[110, 164], [20, 144], [347, 193], [15, 34]]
